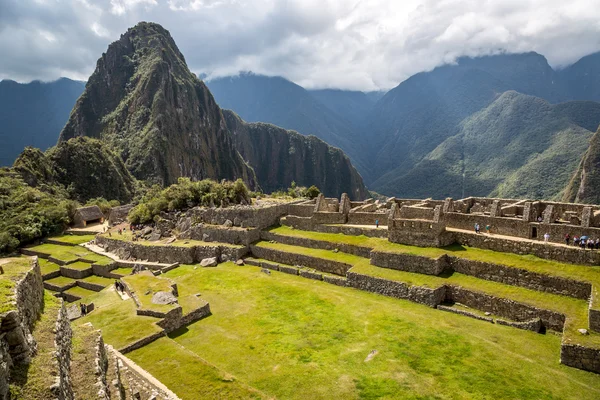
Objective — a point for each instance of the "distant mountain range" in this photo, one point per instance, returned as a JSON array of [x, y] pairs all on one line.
[[33, 114], [482, 126]]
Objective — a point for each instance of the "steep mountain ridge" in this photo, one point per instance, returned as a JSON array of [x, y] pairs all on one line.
[[518, 146], [292, 157], [275, 100], [584, 186], [143, 101]]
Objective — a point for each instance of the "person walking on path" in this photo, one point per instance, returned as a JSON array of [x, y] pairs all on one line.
[[567, 239], [487, 229], [476, 227], [546, 237], [376, 223]]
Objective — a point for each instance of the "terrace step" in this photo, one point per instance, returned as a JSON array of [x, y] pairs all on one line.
[[76, 270], [59, 284], [87, 345], [76, 293], [304, 271]]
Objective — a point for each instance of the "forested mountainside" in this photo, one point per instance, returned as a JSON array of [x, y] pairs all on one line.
[[33, 114], [518, 147], [275, 100], [584, 186], [583, 78], [280, 157]]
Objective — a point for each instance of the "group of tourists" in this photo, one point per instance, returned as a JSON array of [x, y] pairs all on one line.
[[119, 286], [488, 228], [584, 242], [83, 308]]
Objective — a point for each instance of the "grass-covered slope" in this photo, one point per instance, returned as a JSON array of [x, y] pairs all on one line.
[[295, 338], [143, 101], [584, 186], [518, 146], [280, 157]]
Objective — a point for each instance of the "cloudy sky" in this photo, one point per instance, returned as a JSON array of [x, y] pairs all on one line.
[[349, 44]]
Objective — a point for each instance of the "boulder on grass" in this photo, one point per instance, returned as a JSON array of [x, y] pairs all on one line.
[[209, 262], [163, 298]]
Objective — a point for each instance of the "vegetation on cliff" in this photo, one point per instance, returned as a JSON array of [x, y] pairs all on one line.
[[186, 194], [584, 186], [280, 157], [144, 103]]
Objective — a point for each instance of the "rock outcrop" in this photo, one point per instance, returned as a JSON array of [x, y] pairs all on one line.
[[280, 157], [584, 186], [143, 101]]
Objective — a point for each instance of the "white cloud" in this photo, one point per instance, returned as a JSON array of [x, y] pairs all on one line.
[[352, 44]]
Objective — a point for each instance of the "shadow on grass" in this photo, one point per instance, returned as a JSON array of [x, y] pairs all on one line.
[[455, 247], [178, 332]]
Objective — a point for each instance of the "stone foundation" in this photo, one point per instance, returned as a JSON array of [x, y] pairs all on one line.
[[576, 356], [332, 267]]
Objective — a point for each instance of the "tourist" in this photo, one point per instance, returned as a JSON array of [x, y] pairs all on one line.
[[590, 244], [83, 309], [597, 244], [576, 241], [117, 286], [546, 237], [476, 227], [120, 231], [539, 219], [582, 243], [567, 239], [376, 223], [487, 229]]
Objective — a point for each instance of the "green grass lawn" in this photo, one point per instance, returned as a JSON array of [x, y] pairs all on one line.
[[98, 280], [70, 253], [60, 281], [79, 265], [122, 271], [73, 239], [296, 338], [47, 267], [117, 319], [145, 286], [33, 381], [81, 292], [14, 270], [527, 262], [128, 237], [83, 355]]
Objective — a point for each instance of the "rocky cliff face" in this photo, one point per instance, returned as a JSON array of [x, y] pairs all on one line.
[[584, 187], [279, 157], [143, 101]]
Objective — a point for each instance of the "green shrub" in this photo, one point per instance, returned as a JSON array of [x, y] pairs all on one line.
[[312, 192], [186, 194]]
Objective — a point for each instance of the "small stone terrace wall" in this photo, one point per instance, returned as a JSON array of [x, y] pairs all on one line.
[[317, 244], [329, 266], [367, 218], [409, 262], [585, 358], [217, 233]]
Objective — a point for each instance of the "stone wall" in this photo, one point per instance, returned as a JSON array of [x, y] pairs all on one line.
[[556, 253], [302, 210], [317, 244], [196, 315], [412, 212], [333, 267], [520, 277], [419, 233], [580, 357], [170, 254], [218, 233], [423, 295], [306, 224], [329, 217], [101, 364], [465, 313], [244, 216], [367, 218], [62, 342], [505, 307], [409, 262]]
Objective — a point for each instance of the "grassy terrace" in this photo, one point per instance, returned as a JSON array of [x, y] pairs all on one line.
[[73, 239], [122, 271], [145, 286], [70, 253], [83, 362], [33, 382], [526, 262], [117, 319], [81, 293], [79, 265], [47, 266], [295, 338], [14, 270], [98, 280], [61, 281], [128, 237], [575, 310]]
